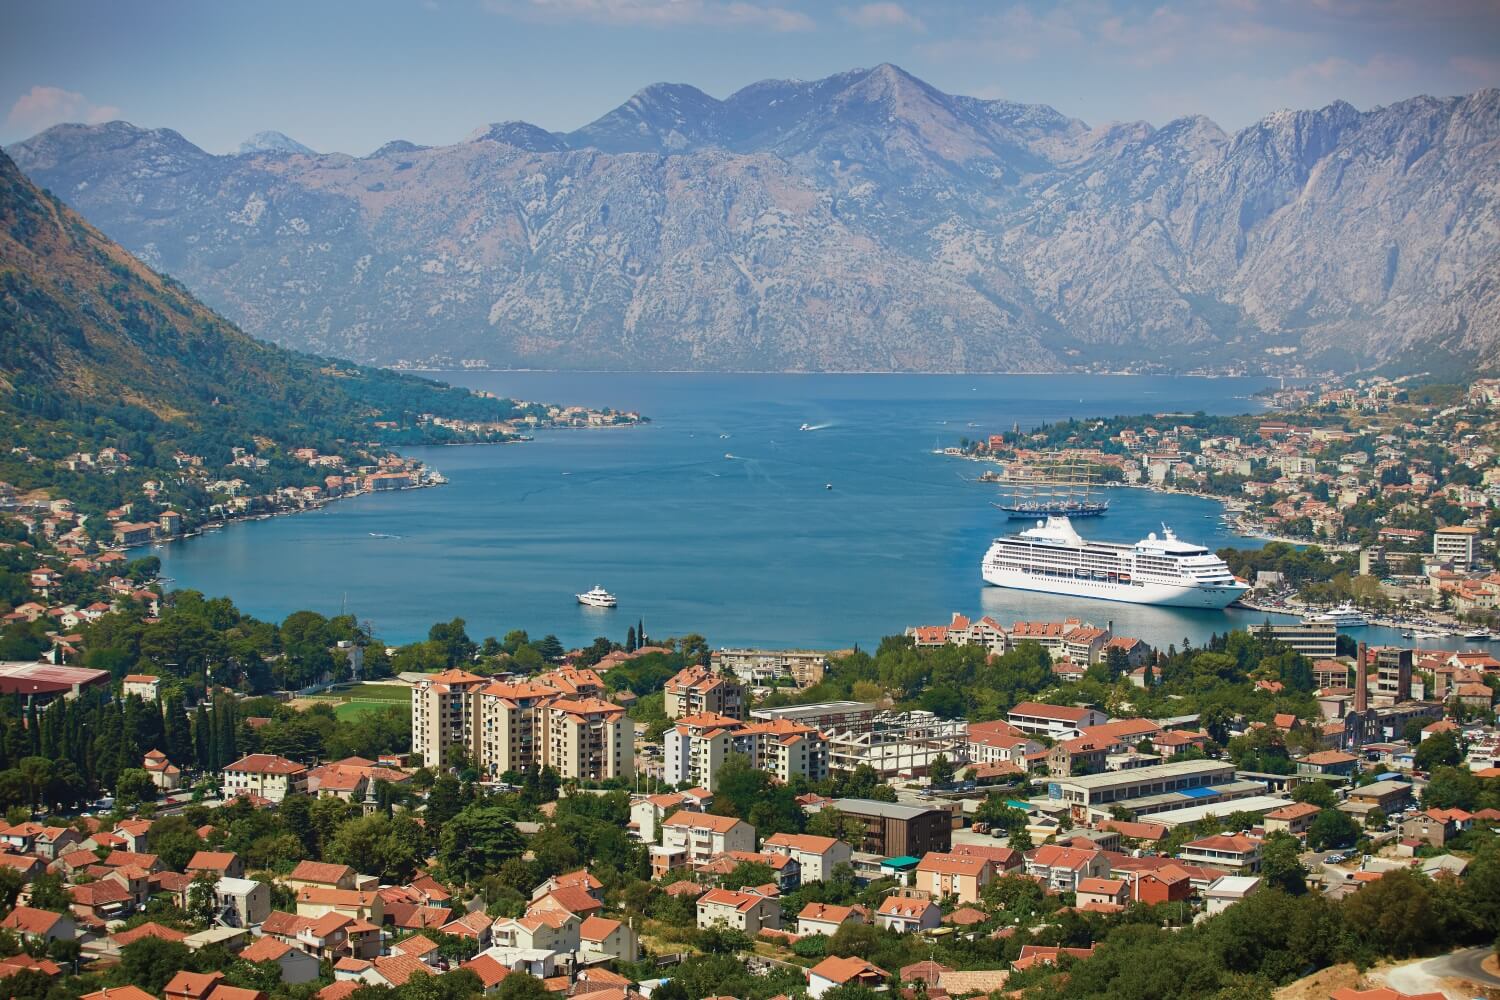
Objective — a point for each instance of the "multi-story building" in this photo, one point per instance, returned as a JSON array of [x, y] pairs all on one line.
[[1144, 790], [698, 689], [1456, 544], [698, 745], [1392, 675], [443, 714], [554, 720], [589, 738], [264, 774], [690, 839], [896, 830], [1054, 721], [1314, 640], [763, 666]]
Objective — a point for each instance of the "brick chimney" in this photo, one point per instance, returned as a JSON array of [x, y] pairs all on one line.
[[1361, 682]]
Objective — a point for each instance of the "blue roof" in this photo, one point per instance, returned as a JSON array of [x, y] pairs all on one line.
[[1198, 793]]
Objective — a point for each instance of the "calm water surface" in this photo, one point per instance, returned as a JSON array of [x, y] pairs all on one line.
[[714, 518]]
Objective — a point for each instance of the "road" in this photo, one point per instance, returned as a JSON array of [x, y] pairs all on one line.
[[1428, 976]]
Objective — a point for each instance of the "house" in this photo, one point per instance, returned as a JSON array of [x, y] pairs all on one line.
[[1237, 852], [826, 919], [242, 902], [136, 833], [489, 969], [816, 856], [30, 924], [1293, 819], [296, 966], [573, 899], [192, 985], [646, 814], [788, 873], [1102, 892], [691, 839], [1167, 884], [395, 970], [265, 774], [747, 910], [1037, 954], [1228, 890], [544, 930], [321, 875], [1432, 827], [53, 841], [962, 876], [218, 863], [833, 972], [907, 914], [607, 936], [314, 902], [1002, 859], [1329, 762], [142, 686], [119, 993], [100, 901], [1062, 867]]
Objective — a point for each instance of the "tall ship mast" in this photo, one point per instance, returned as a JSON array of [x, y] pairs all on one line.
[[1053, 558], [1065, 489]]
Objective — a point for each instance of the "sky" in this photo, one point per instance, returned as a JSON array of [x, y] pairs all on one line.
[[347, 76]]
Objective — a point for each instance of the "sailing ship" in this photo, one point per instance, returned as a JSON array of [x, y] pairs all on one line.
[[1063, 488]]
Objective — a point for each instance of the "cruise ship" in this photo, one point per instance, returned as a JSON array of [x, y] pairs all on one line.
[[1053, 558]]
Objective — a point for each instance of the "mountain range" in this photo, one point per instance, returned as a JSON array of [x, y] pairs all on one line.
[[867, 221]]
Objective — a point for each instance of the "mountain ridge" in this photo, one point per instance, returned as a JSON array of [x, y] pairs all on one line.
[[863, 221]]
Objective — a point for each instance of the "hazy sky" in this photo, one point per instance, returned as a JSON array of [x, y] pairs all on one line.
[[350, 75]]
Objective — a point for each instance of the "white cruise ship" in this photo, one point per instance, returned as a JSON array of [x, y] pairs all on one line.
[[1053, 558]]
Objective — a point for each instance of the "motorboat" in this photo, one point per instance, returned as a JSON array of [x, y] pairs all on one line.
[[597, 598]]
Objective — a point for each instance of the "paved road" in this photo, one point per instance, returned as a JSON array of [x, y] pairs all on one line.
[[1464, 965], [1425, 977]]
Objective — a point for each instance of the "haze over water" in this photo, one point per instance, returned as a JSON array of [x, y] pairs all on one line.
[[748, 549]]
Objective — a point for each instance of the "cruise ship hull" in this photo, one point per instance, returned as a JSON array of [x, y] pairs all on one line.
[[1161, 594]]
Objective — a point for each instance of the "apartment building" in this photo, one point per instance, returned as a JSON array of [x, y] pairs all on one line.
[[1054, 721], [589, 738], [698, 689], [556, 720], [765, 666], [698, 745], [444, 714], [894, 830]]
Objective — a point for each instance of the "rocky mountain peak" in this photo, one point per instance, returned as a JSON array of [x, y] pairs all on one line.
[[274, 142]]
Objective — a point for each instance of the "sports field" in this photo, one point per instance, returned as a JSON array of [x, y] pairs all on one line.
[[360, 698]]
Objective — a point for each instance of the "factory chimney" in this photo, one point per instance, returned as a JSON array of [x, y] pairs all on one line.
[[1361, 682]]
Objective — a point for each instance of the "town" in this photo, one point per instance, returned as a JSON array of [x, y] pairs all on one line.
[[1396, 488], [203, 806]]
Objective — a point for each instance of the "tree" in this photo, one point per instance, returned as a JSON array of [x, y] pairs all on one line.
[[47, 893], [477, 841], [201, 898], [1280, 866], [1332, 828], [1315, 792], [940, 771], [134, 786], [520, 986], [1437, 750], [151, 962]]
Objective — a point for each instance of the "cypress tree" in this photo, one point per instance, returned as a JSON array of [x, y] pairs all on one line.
[[630, 639], [33, 730], [202, 753]]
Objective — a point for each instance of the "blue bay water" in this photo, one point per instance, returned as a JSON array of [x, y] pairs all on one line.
[[714, 518]]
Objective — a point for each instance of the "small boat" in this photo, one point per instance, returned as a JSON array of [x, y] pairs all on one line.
[[728, 455], [597, 598], [1477, 635], [828, 486], [1427, 636], [805, 427]]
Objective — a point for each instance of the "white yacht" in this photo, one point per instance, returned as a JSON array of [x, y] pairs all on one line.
[[597, 598], [1053, 558], [1346, 615]]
